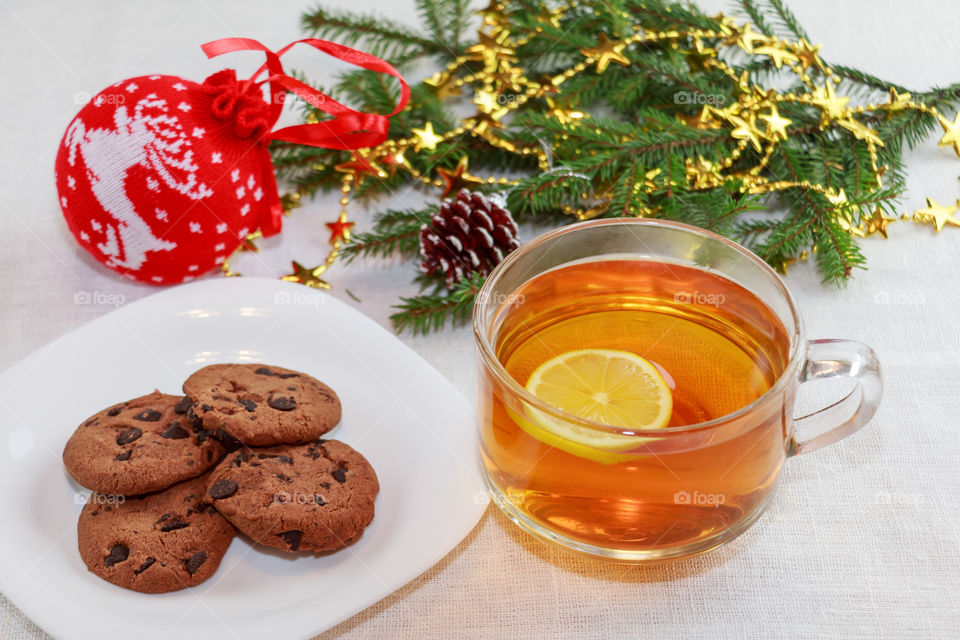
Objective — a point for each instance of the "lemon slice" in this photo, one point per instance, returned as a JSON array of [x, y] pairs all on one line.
[[611, 387]]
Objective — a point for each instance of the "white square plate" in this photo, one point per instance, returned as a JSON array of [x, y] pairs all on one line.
[[416, 429]]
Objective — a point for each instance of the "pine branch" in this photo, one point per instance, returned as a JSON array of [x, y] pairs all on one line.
[[865, 79], [636, 147], [394, 233], [430, 312], [788, 20], [755, 13], [378, 35]]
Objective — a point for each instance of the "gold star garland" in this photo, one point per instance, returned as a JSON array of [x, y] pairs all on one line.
[[754, 121]]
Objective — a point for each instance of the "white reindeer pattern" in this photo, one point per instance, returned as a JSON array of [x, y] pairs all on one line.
[[150, 138]]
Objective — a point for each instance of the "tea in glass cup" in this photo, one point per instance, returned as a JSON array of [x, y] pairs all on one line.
[[636, 387]]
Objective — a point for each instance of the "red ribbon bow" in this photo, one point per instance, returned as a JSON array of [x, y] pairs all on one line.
[[348, 129]]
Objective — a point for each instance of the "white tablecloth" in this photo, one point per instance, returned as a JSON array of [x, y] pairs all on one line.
[[861, 540]]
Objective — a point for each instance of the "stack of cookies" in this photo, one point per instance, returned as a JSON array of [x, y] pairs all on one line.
[[175, 477]]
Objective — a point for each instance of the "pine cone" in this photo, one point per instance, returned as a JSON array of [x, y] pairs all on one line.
[[470, 233]]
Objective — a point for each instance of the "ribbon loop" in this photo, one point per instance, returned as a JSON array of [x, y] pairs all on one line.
[[348, 129]]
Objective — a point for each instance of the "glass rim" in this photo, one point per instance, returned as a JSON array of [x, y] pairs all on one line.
[[494, 365]]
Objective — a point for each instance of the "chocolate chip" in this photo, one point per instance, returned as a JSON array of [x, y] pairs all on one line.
[[195, 561], [292, 538], [125, 455], [206, 407], [165, 516], [118, 553], [248, 404], [182, 406], [282, 403], [115, 411], [148, 415], [146, 565], [284, 478], [319, 500], [340, 475], [206, 507], [90, 422], [264, 371], [129, 436], [175, 432], [280, 458], [173, 525], [284, 376], [240, 458], [227, 440], [222, 489], [195, 421], [325, 485]]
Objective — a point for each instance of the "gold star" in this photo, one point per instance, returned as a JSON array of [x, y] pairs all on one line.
[[833, 107], [703, 173], [898, 101], [562, 114], [458, 179], [743, 83], [605, 52], [490, 49], [878, 223], [508, 78], [860, 130], [290, 201], [807, 54], [340, 230], [836, 198], [443, 85], [951, 133], [699, 57], [745, 38], [492, 13], [247, 244], [426, 138], [489, 102], [308, 277], [745, 130], [227, 271], [844, 212], [776, 124], [777, 53], [938, 214], [482, 122]]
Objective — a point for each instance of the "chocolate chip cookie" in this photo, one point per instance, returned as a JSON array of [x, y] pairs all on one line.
[[140, 446], [156, 543], [314, 497], [261, 405]]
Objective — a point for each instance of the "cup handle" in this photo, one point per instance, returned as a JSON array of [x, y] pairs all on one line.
[[836, 359]]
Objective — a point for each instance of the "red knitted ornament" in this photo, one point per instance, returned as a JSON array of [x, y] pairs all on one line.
[[161, 178], [469, 234]]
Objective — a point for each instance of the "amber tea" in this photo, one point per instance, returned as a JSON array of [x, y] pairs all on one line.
[[636, 382], [715, 346]]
